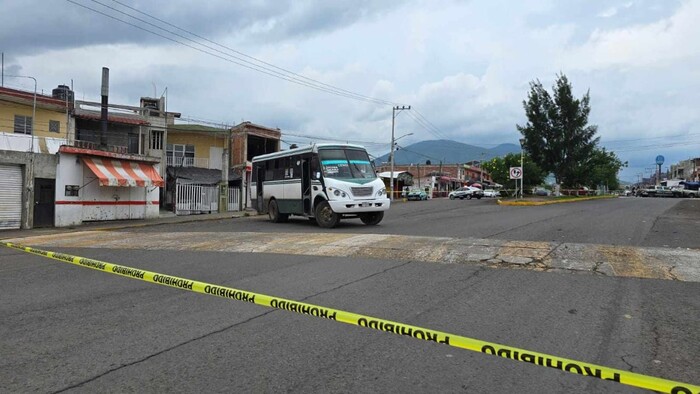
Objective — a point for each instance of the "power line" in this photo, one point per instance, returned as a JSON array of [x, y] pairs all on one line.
[[229, 57], [248, 56]]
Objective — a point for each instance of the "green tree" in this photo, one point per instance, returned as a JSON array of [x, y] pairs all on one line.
[[602, 168], [557, 134], [499, 168]]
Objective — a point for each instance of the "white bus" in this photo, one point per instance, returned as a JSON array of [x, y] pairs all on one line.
[[325, 182]]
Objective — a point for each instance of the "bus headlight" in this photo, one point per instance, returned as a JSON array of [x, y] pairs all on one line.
[[381, 192], [338, 193]]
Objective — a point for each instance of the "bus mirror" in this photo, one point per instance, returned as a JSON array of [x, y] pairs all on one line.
[[317, 175]]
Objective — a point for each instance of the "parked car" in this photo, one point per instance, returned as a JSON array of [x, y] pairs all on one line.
[[491, 193], [657, 191], [467, 192], [540, 191], [417, 194]]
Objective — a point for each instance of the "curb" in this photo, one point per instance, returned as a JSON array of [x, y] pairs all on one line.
[[136, 223], [537, 203]]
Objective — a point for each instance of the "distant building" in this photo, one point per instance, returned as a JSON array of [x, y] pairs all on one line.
[[446, 177], [688, 170]]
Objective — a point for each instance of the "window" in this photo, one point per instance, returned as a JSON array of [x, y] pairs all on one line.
[[180, 155], [346, 163], [54, 126], [156, 139], [23, 124]]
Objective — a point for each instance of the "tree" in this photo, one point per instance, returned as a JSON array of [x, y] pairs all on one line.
[[499, 168], [557, 134], [603, 167]]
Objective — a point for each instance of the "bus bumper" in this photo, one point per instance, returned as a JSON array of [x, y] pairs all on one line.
[[376, 205]]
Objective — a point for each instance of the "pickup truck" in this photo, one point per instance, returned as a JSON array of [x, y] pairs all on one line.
[[657, 191], [690, 189]]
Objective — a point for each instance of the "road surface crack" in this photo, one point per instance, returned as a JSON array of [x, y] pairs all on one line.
[[629, 365], [126, 365]]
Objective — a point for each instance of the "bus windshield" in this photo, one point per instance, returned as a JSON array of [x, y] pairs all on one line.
[[346, 163]]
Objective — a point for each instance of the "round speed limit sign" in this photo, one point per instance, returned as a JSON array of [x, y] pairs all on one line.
[[516, 172]]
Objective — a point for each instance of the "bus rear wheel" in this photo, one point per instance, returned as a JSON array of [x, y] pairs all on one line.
[[273, 211], [325, 217], [372, 218]]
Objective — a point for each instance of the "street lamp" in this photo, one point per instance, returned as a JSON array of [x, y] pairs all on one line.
[[393, 142], [394, 111], [522, 172], [33, 109]]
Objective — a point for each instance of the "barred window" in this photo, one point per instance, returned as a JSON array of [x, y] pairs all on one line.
[[157, 139], [23, 124], [54, 126]]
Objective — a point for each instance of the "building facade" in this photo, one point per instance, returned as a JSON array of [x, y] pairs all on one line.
[[32, 129], [115, 174]]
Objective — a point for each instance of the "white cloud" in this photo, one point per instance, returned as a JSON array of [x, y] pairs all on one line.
[[657, 44]]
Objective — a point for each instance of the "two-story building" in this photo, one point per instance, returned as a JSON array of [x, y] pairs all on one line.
[[197, 155], [114, 174], [32, 128]]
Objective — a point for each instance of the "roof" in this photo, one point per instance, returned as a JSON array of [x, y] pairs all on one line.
[[303, 149], [24, 97], [102, 153], [204, 176], [257, 126], [111, 118], [197, 128]]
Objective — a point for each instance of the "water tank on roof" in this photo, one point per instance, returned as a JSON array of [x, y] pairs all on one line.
[[63, 92]]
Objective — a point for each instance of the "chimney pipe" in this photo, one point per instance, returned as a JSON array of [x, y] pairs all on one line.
[[104, 118]]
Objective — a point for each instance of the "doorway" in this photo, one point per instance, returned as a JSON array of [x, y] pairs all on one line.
[[44, 202]]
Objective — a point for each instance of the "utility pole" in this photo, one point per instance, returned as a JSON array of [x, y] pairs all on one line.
[[223, 186], [394, 112], [481, 169]]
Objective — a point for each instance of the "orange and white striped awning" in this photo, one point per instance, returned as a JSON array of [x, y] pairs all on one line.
[[116, 172]]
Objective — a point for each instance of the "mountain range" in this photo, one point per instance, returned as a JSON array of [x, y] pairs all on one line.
[[447, 151]]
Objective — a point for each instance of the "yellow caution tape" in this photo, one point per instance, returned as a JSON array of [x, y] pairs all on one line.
[[517, 354]]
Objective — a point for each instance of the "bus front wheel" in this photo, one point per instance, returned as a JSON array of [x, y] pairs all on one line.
[[273, 211], [325, 217], [372, 218]]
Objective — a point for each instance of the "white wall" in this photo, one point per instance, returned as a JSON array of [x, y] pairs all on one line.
[[99, 203], [68, 172], [23, 143]]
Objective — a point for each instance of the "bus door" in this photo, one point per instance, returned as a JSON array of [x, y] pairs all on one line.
[[306, 185], [260, 201]]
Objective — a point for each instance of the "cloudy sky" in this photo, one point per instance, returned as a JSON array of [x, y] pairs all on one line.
[[463, 66]]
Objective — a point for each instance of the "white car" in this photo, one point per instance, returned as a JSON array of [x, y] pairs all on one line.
[[466, 192], [491, 193]]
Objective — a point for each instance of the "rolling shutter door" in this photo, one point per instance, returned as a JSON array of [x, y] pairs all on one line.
[[10, 196]]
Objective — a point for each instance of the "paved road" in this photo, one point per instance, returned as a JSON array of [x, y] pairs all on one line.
[[66, 328], [662, 222]]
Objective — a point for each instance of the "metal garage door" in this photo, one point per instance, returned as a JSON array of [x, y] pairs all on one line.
[[10, 196]]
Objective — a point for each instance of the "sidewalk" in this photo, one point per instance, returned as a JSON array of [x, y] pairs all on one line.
[[166, 217]]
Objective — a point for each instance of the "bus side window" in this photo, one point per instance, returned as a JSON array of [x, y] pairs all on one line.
[[295, 166], [315, 170], [269, 170]]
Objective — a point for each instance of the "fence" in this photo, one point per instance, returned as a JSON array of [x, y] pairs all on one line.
[[195, 199]]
